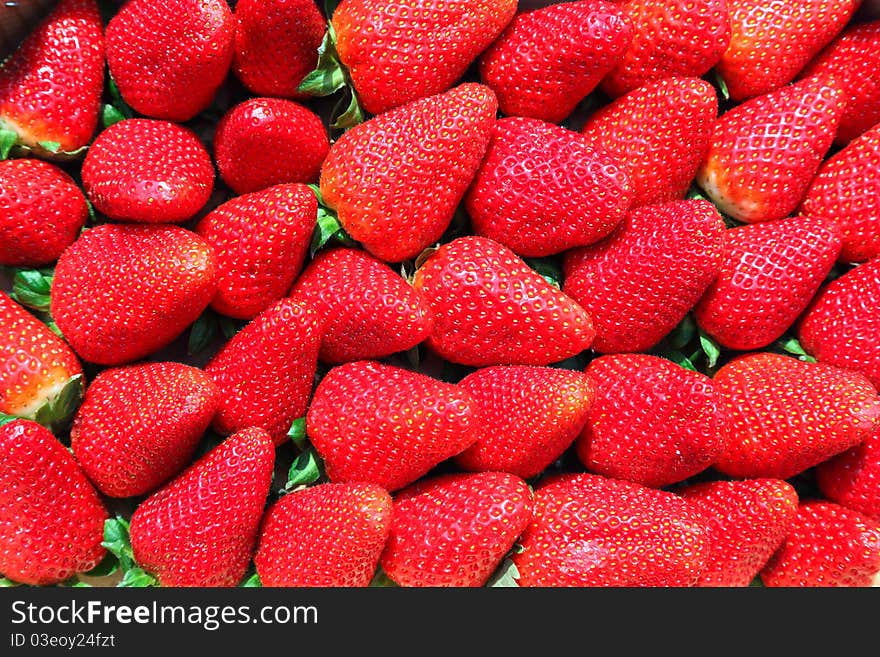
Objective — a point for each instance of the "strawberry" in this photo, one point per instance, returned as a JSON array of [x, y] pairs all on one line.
[[827, 545], [658, 134], [50, 88], [764, 153], [200, 529], [747, 522], [490, 308], [51, 519], [640, 282], [787, 415], [41, 212], [396, 180], [768, 276], [377, 317], [169, 57], [18, 19], [122, 292], [148, 171], [588, 530], [454, 530], [261, 240], [548, 60], [542, 189], [326, 535], [139, 425], [388, 426], [529, 417], [852, 479], [653, 422]]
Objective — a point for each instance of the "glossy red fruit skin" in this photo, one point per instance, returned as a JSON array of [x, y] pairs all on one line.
[[588, 530], [41, 212], [747, 521], [827, 545], [490, 308], [542, 189], [379, 316], [852, 479], [528, 416], [200, 529], [548, 60], [769, 275], [261, 240], [269, 141], [641, 281], [787, 415], [395, 181], [328, 535], [138, 426], [387, 426], [51, 518]]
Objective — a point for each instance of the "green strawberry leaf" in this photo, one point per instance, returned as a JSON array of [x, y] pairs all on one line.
[[351, 116], [792, 346], [682, 334], [330, 7], [117, 541], [58, 410], [50, 323], [8, 140], [6, 419], [328, 229], [710, 348], [297, 433], [329, 76], [507, 575], [696, 194], [721, 85], [381, 580], [316, 190], [7, 583], [111, 115], [414, 357], [117, 101], [32, 288], [229, 327], [93, 216], [677, 357], [203, 332], [137, 578], [252, 582], [109, 565], [549, 270], [306, 469], [50, 146]]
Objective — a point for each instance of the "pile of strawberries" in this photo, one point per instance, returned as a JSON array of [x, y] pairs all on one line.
[[441, 293]]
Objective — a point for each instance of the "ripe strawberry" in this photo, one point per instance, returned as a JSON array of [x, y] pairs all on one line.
[[592, 531], [200, 529], [454, 530], [41, 212], [385, 425], [769, 274], [50, 88], [747, 522], [852, 479], [122, 292], [490, 308], [828, 545], [326, 535], [377, 317], [139, 425], [396, 180], [658, 134], [51, 519], [787, 415], [169, 57], [542, 189], [148, 171], [529, 417], [548, 60], [764, 153], [261, 240], [639, 283]]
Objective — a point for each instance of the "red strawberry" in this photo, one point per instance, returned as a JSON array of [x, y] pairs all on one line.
[[148, 171], [169, 57], [542, 189], [454, 530], [529, 417], [51, 519], [261, 240], [828, 545], [490, 308], [41, 212], [747, 522], [592, 531], [396, 180], [139, 425], [385, 425], [326, 535], [547, 60], [658, 134], [787, 415], [378, 316], [638, 284], [200, 529], [122, 292], [768, 276], [852, 479], [764, 153], [50, 88]]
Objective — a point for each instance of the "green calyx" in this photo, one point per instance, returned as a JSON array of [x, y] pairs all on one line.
[[117, 541], [328, 229], [32, 288]]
